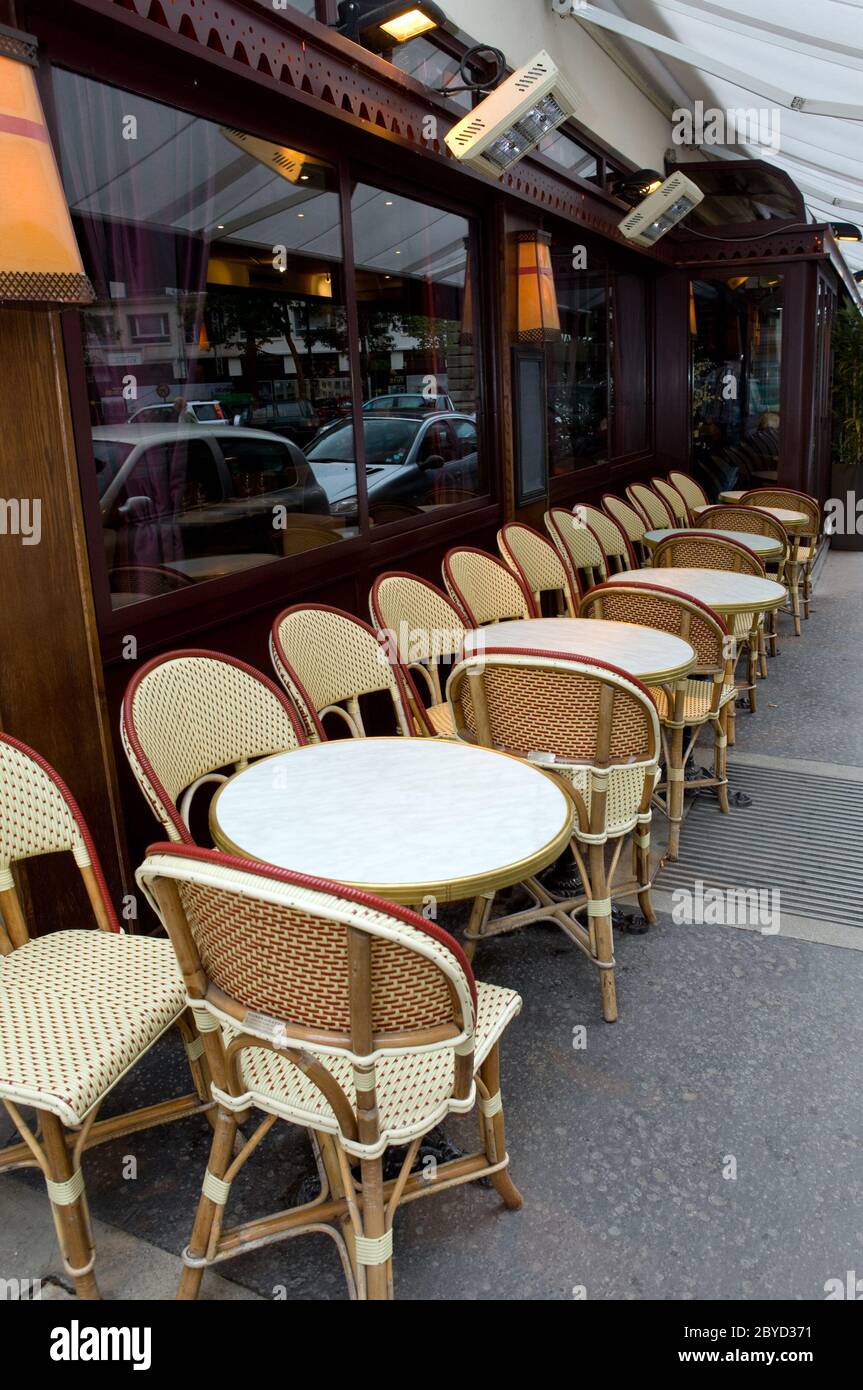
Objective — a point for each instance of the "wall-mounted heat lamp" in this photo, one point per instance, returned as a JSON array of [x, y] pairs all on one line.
[[538, 317], [382, 27], [39, 258], [846, 231]]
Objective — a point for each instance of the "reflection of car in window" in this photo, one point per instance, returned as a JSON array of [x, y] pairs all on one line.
[[173, 493], [409, 462], [294, 420], [175, 412], [411, 403]]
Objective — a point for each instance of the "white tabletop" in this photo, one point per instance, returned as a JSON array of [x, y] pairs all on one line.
[[644, 652], [722, 590], [764, 546], [788, 518], [403, 817]]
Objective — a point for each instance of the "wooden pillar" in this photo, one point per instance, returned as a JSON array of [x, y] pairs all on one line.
[[51, 691]]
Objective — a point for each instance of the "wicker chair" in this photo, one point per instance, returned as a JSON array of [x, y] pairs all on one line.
[[630, 521], [755, 522], [483, 589], [674, 501], [395, 1035], [579, 548], [692, 492], [597, 729], [422, 630], [702, 550], [537, 565], [189, 714], [800, 567], [655, 513], [687, 704], [326, 659], [617, 549], [78, 1008]]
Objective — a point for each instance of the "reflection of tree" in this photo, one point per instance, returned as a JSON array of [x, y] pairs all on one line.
[[249, 320], [439, 336]]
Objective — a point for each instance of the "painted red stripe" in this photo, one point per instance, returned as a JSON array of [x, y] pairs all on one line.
[[17, 125]]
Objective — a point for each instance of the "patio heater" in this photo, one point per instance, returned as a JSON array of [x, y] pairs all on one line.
[[40, 263]]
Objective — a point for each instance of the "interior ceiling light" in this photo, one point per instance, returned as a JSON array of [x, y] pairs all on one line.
[[290, 164], [512, 120], [846, 231], [632, 187], [39, 258], [661, 210], [384, 26]]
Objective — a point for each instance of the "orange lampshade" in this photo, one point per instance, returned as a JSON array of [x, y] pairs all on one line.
[[39, 257], [538, 318]]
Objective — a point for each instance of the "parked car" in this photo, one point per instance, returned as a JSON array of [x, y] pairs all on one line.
[[410, 461], [179, 412], [174, 493], [294, 420], [407, 403]]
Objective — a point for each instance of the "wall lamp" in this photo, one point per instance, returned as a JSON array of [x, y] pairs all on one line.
[[39, 258], [846, 231], [384, 26]]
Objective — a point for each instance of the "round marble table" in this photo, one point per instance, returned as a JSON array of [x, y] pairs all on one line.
[[765, 547], [645, 652], [408, 818], [722, 590], [791, 520]]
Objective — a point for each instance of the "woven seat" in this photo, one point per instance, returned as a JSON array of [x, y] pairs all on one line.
[[538, 566], [420, 630], [483, 589], [78, 1008], [327, 1007], [440, 718], [697, 700]]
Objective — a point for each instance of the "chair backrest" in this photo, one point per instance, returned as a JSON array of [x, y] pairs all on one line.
[[668, 611], [570, 707], [251, 940], [537, 564], [674, 500], [579, 548], [651, 506], [628, 519], [39, 815], [419, 626], [617, 548], [149, 581], [188, 714], [705, 551], [725, 517], [692, 492], [789, 499], [326, 659], [483, 589]]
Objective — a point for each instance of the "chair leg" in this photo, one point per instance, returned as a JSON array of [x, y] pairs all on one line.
[[794, 590], [599, 913], [674, 796], [494, 1133], [378, 1276], [221, 1153], [752, 670], [479, 915], [71, 1218], [720, 757], [762, 653], [641, 856], [195, 1055]]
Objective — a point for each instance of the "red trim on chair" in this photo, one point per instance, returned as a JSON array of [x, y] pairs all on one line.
[[475, 550], [131, 733], [322, 885], [78, 818]]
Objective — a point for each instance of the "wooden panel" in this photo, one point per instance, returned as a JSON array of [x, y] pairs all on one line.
[[51, 692]]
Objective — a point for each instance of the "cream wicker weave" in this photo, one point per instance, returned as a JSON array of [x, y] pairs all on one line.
[[597, 729], [800, 565], [326, 659], [537, 565], [483, 589], [683, 704], [421, 629], [674, 500], [78, 1008], [756, 522], [692, 492], [650, 505], [579, 548], [630, 521], [617, 549], [188, 715], [702, 550], [351, 1017]]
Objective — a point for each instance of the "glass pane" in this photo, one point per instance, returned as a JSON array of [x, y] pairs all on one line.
[[563, 150], [430, 65], [736, 333], [577, 365], [216, 349], [419, 375]]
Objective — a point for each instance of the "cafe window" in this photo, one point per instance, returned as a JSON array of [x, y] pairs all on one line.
[[217, 348], [578, 360]]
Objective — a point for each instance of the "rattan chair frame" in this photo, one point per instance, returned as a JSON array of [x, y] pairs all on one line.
[[390, 986], [579, 547], [630, 521], [420, 627], [617, 548], [674, 500], [326, 672], [536, 563], [208, 747], [691, 491], [51, 822], [693, 621], [591, 832], [730, 516], [484, 589], [651, 507], [799, 573]]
